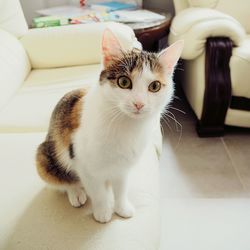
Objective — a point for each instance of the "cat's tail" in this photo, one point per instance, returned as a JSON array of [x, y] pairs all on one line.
[[52, 171]]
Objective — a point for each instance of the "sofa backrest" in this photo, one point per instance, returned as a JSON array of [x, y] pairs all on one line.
[[14, 62], [12, 18], [14, 65], [180, 5], [239, 9]]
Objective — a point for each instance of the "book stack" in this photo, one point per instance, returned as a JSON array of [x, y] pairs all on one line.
[[49, 21], [99, 12]]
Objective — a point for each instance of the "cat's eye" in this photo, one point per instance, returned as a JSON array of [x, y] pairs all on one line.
[[124, 82], [154, 86]]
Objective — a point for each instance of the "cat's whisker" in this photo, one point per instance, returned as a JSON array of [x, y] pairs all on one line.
[[162, 130], [174, 118], [166, 122], [177, 97], [118, 119], [181, 111], [110, 111], [180, 69], [116, 114], [176, 122]]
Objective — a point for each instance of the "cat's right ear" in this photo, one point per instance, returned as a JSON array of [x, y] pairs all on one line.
[[170, 56], [111, 47]]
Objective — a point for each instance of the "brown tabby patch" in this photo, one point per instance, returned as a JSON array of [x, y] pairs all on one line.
[[130, 62], [64, 120], [49, 167], [66, 116]]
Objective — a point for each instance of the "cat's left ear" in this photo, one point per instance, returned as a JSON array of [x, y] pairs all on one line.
[[170, 56], [111, 47]]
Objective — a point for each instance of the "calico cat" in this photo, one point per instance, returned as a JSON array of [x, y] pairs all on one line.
[[96, 135]]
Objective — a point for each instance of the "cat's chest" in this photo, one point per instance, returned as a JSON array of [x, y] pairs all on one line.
[[121, 152], [124, 143], [122, 147]]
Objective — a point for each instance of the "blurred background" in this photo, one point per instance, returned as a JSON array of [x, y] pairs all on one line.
[[31, 6]]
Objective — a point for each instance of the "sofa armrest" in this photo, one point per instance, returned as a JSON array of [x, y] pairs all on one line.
[[72, 45], [195, 25]]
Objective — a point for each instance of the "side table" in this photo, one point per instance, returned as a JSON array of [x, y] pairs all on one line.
[[153, 35]]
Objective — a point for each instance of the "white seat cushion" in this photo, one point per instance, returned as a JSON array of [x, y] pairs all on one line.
[[36, 217], [31, 106], [240, 69]]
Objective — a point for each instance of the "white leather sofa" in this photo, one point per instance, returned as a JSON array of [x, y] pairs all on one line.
[[37, 67], [216, 61]]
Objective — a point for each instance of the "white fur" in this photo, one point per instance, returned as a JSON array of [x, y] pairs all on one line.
[[111, 138], [115, 126]]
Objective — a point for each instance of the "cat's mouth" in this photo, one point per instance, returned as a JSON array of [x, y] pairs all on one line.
[[136, 114]]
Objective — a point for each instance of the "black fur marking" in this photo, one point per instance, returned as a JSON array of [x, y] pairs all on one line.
[[71, 151], [128, 62], [54, 167]]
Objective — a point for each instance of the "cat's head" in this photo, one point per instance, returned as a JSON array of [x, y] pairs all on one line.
[[137, 83]]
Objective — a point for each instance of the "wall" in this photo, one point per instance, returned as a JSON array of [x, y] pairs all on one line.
[[164, 5]]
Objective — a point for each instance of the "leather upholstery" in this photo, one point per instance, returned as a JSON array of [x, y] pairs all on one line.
[[240, 69], [197, 20], [237, 9], [201, 23], [14, 65], [80, 44], [12, 18]]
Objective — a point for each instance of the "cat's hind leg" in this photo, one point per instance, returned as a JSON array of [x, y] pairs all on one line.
[[54, 173]]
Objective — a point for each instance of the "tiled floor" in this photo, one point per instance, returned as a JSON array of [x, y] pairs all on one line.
[[205, 187]]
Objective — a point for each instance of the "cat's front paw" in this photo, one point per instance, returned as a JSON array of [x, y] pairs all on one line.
[[103, 214], [77, 196], [125, 210]]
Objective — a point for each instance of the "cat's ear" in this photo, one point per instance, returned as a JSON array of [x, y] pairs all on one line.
[[170, 56], [111, 47]]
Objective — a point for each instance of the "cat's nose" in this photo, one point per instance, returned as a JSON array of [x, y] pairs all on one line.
[[138, 105]]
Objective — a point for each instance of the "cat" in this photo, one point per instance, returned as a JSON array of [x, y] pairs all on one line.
[[96, 135]]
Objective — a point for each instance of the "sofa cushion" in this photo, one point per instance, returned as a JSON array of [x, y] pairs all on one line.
[[14, 65], [200, 24], [31, 106], [238, 9], [240, 68], [203, 3], [35, 216], [73, 45], [12, 18]]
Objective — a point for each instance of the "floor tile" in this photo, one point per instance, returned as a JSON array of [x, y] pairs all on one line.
[[200, 169], [192, 166], [238, 146], [205, 224], [205, 186]]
